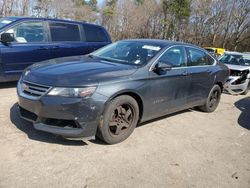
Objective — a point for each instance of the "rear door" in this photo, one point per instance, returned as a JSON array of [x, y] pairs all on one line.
[[168, 90], [66, 39], [96, 37], [201, 71], [30, 46]]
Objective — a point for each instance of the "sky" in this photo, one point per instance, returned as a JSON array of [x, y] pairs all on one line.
[[100, 2]]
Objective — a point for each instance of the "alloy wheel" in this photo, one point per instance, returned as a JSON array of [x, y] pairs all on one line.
[[214, 98], [121, 119]]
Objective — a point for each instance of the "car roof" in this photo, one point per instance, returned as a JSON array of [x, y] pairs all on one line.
[[161, 42], [18, 18], [236, 53], [244, 55]]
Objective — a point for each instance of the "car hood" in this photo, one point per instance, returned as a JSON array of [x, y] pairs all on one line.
[[237, 67], [76, 71]]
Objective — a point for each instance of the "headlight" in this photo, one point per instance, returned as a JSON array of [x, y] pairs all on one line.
[[26, 72], [72, 92]]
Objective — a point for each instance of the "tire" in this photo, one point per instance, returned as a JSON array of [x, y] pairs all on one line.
[[119, 120], [212, 100]]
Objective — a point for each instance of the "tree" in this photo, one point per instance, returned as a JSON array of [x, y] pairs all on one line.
[[108, 13], [93, 4], [241, 22], [7, 7], [42, 8], [79, 2], [25, 9], [219, 23], [176, 12], [139, 2]]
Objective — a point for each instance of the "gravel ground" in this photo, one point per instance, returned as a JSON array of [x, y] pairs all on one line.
[[186, 149]]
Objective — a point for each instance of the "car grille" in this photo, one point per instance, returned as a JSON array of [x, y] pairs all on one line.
[[33, 89]]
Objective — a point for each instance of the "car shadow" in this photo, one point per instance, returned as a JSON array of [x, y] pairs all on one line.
[[7, 85], [34, 134], [41, 136], [244, 118]]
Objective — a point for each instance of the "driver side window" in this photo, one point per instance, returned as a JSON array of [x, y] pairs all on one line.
[[28, 32], [175, 56]]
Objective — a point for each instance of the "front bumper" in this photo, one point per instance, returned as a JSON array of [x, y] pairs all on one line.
[[236, 89], [68, 117]]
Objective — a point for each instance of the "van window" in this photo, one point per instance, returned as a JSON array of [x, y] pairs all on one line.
[[199, 58], [64, 32], [28, 32], [94, 33]]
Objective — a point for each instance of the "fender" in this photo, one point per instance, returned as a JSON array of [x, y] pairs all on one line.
[[138, 97]]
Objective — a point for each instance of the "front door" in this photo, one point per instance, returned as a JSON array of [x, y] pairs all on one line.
[[30, 46], [167, 90]]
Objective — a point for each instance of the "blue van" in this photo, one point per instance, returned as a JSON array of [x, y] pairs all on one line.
[[26, 40]]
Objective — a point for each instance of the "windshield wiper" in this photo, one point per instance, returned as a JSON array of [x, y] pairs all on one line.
[[94, 56], [112, 59], [107, 59]]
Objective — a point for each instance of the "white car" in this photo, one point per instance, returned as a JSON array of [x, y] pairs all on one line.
[[239, 79]]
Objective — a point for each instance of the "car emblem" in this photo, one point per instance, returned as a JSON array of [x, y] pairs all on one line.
[[27, 72], [24, 86]]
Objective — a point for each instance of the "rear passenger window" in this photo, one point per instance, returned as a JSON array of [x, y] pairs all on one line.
[[199, 58], [64, 32], [94, 33]]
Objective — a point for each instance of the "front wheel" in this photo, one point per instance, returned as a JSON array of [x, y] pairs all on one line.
[[212, 100], [120, 117]]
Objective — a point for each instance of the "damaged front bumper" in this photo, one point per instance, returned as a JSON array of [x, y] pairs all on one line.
[[235, 85], [71, 118]]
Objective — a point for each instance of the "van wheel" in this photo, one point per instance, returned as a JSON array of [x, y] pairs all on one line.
[[119, 120], [212, 100]]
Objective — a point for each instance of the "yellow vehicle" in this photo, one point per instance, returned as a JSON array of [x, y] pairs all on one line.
[[216, 51]]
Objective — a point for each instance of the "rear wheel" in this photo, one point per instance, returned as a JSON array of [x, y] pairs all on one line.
[[119, 119], [212, 100]]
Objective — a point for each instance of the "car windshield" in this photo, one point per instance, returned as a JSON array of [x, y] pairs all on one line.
[[235, 59], [128, 52], [5, 21]]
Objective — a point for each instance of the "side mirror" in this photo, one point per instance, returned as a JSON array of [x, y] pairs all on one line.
[[162, 67], [7, 37]]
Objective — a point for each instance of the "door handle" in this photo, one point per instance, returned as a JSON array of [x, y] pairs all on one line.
[[43, 48]]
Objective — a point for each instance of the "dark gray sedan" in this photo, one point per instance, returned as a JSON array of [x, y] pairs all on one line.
[[110, 91]]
